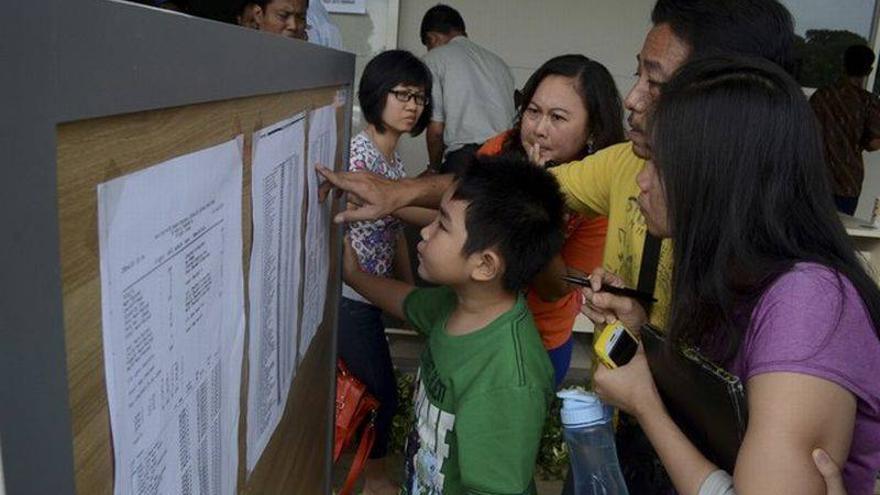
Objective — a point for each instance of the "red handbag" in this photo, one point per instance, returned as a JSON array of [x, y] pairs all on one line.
[[354, 406]]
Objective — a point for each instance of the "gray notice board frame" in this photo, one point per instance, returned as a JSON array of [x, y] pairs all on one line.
[[66, 61]]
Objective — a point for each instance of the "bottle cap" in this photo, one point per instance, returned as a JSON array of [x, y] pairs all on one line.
[[580, 408]]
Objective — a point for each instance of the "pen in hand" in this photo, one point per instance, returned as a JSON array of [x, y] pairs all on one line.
[[640, 296]]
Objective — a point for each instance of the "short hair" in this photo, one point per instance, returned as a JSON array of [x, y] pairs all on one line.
[[382, 74], [598, 92], [858, 60], [441, 19], [516, 208], [754, 28]]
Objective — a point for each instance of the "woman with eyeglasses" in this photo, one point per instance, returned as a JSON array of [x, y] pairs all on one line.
[[394, 93]]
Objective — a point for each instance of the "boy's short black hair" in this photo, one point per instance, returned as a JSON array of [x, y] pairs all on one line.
[[858, 60], [515, 207], [441, 19], [382, 74]]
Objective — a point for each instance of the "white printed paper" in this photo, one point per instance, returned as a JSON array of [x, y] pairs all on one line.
[[322, 150], [275, 276], [345, 6], [173, 322]]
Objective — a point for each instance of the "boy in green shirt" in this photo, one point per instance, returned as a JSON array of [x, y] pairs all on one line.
[[485, 382]]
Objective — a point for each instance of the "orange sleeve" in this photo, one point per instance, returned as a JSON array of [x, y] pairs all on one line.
[[582, 251], [585, 244], [494, 145]]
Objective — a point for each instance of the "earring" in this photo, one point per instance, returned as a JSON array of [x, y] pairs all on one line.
[[590, 148]]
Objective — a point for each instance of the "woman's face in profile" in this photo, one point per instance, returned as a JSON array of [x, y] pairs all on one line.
[[652, 201], [556, 119]]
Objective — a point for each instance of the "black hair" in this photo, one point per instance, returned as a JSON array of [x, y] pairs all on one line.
[[755, 28], [261, 3], [596, 87], [441, 19], [382, 74], [739, 153], [516, 208], [858, 60]]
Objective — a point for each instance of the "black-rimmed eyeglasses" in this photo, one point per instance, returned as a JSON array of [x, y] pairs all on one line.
[[405, 96]]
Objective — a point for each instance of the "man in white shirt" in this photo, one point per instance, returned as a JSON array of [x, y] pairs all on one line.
[[472, 92]]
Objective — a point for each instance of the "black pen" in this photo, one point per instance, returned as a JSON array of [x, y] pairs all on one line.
[[640, 296]]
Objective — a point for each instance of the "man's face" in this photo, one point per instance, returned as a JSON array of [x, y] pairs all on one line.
[[662, 54], [284, 17]]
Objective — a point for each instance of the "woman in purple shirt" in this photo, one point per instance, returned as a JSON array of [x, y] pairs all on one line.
[[766, 282]]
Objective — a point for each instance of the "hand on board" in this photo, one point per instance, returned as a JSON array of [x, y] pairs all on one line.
[[373, 196]]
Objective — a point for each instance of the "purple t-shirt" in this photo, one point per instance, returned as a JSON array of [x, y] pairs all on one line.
[[799, 326]]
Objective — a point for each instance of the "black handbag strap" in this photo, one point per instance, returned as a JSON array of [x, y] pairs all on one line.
[[650, 260]]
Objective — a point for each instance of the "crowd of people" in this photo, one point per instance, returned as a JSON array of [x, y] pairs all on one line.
[[717, 199]]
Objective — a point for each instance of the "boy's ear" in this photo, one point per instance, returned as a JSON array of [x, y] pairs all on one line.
[[489, 266]]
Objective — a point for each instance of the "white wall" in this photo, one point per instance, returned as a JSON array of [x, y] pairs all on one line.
[[368, 35], [525, 33], [871, 187]]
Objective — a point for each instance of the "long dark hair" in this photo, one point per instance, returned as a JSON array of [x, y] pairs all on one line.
[[597, 90], [739, 154]]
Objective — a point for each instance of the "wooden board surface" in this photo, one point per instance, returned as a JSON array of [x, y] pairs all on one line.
[[90, 152]]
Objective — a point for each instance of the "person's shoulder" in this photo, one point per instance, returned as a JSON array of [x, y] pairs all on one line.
[[486, 52], [868, 96], [812, 320], [361, 142], [429, 294], [807, 276], [813, 294], [495, 144], [442, 53], [362, 149], [619, 156], [525, 344], [621, 151], [433, 298], [822, 92]]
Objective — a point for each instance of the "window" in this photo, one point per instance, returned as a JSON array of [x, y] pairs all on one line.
[[825, 28]]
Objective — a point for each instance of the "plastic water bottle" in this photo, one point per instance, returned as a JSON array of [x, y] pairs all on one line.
[[588, 433]]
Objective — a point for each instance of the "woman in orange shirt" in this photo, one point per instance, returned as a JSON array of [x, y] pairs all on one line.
[[568, 109]]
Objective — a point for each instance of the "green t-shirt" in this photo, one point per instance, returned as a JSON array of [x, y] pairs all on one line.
[[480, 404]]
